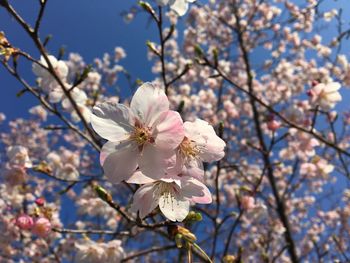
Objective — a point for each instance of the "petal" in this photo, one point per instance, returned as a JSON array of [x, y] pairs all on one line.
[[332, 87], [334, 97], [169, 131], [56, 95], [62, 69], [121, 164], [111, 121], [174, 208], [155, 163], [180, 7], [139, 178], [194, 168], [148, 102], [195, 191], [203, 134], [144, 200]]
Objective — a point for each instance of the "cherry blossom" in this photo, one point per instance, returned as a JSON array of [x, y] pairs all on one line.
[[172, 195], [42, 227], [64, 164], [46, 80], [325, 95], [200, 144], [18, 155], [147, 125], [90, 251]]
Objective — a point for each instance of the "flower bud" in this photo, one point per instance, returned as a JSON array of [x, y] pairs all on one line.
[[42, 227], [273, 125], [229, 259], [40, 201], [24, 222], [178, 240]]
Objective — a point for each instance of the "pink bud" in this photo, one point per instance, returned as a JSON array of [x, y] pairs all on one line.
[[40, 201], [273, 125], [332, 116], [42, 227], [24, 222]]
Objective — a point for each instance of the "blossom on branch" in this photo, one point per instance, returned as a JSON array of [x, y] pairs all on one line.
[[45, 78], [173, 194], [200, 144], [325, 95], [147, 124]]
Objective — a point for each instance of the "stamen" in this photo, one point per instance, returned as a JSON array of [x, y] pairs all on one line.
[[189, 149], [141, 135]]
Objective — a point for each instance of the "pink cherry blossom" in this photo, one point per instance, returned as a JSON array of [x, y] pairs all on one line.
[[148, 123], [200, 144], [42, 227], [24, 222]]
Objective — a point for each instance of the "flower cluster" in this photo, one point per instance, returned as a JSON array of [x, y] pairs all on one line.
[[149, 144], [91, 251], [40, 226], [15, 170]]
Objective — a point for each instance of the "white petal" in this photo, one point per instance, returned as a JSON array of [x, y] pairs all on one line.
[[56, 95], [144, 200], [194, 168], [334, 86], [113, 122], [174, 208], [148, 102], [120, 164], [180, 7], [61, 69], [139, 178], [195, 191], [203, 134], [334, 97]]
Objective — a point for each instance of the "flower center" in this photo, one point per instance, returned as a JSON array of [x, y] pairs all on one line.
[[188, 148], [141, 135]]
